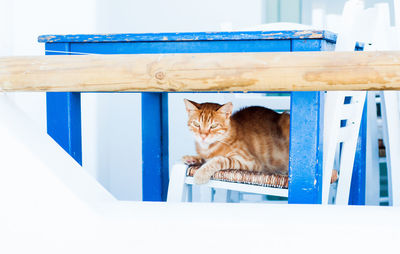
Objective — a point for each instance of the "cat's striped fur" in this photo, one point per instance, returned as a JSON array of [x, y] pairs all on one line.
[[253, 138]]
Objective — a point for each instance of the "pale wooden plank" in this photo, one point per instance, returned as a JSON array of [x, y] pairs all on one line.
[[284, 71]]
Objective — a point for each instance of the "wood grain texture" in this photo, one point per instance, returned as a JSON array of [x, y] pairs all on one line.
[[288, 71]]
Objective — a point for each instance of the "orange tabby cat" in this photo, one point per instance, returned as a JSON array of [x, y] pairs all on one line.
[[253, 138]]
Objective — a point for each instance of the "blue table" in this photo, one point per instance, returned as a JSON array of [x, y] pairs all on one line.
[[305, 170]]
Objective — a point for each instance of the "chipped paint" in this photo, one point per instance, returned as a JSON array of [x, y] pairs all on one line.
[[200, 36], [308, 34]]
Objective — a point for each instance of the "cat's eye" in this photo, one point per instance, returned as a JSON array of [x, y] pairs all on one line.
[[196, 124], [214, 125]]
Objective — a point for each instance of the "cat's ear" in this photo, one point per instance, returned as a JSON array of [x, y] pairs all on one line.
[[226, 109], [191, 105]]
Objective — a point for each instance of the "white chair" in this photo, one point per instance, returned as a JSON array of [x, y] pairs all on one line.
[[342, 118], [390, 104], [340, 142], [372, 26], [372, 171], [381, 36], [180, 187], [391, 116], [391, 139]]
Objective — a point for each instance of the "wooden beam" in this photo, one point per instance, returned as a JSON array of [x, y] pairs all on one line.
[[290, 71]]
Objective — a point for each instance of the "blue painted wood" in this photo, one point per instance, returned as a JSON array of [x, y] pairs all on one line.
[[357, 189], [182, 47], [64, 114], [306, 111], [155, 176], [359, 46], [152, 146], [199, 36], [164, 146], [306, 45], [312, 45], [305, 159]]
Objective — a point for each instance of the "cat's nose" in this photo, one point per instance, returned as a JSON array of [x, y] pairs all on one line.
[[203, 136]]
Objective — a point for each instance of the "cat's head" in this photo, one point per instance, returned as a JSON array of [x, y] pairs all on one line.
[[209, 122]]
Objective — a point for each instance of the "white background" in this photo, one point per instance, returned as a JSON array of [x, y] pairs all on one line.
[[111, 123]]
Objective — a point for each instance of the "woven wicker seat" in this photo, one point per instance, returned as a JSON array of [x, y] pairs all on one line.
[[181, 180], [247, 177]]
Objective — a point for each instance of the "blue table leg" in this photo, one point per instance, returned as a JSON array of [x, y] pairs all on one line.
[[64, 112], [155, 146], [357, 189], [64, 121], [305, 159]]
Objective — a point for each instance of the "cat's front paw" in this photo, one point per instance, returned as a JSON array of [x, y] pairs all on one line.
[[201, 177], [192, 160]]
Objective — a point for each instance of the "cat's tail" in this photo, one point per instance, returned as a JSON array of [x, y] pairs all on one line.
[[284, 124]]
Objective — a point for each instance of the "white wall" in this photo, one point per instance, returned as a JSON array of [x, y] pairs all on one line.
[[111, 123], [111, 142], [6, 30], [175, 15], [22, 21], [324, 14]]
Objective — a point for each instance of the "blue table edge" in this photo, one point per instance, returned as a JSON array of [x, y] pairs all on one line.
[[192, 36]]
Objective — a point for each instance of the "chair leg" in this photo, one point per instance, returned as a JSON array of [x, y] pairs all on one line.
[[391, 135], [178, 189], [333, 102], [349, 148], [346, 171], [206, 194], [372, 182]]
